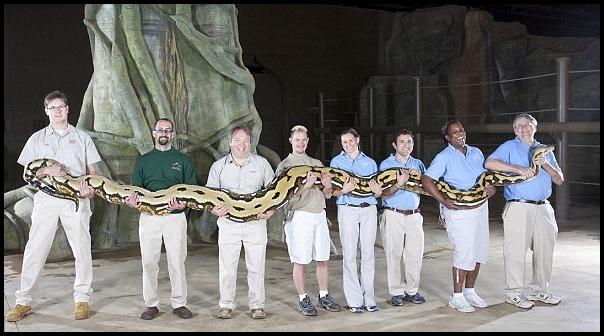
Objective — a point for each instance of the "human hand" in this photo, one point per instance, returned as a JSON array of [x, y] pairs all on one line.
[[55, 169], [326, 180], [349, 185], [266, 215], [490, 190], [133, 200], [539, 159], [86, 191], [376, 187], [175, 204], [402, 176], [528, 172], [450, 205], [219, 210], [310, 180]]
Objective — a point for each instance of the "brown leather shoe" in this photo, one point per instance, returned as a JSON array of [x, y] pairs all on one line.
[[150, 313], [182, 312], [82, 310], [17, 313]]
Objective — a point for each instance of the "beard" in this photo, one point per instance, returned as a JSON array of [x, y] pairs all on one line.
[[163, 141]]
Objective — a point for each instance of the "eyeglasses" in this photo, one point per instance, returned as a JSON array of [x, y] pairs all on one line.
[[164, 130], [56, 108], [521, 126]]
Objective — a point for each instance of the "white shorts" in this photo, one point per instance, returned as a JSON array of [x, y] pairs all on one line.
[[307, 237], [468, 232]]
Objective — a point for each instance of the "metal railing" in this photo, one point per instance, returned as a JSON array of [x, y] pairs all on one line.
[[561, 127]]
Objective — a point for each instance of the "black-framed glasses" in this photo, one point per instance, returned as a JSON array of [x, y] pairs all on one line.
[[56, 108], [164, 130]]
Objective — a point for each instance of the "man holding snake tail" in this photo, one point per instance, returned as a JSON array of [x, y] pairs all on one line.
[[528, 218], [74, 148]]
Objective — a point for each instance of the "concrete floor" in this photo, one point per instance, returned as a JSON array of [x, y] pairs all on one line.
[[117, 300]]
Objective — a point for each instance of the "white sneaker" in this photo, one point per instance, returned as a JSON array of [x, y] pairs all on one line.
[[461, 304], [519, 302], [475, 300], [545, 298]]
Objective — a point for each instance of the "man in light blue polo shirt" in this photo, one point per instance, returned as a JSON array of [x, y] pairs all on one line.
[[401, 224], [528, 218], [357, 220], [468, 229]]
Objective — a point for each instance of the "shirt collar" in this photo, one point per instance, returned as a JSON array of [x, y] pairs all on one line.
[[51, 130]]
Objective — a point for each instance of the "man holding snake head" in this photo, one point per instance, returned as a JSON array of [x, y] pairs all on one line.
[[528, 218]]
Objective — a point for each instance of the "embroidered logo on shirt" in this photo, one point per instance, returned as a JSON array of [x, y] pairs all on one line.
[[176, 166], [72, 141]]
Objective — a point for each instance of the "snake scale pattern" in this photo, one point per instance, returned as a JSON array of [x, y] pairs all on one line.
[[246, 207]]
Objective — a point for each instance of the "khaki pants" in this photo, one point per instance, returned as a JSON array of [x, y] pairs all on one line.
[[231, 235], [528, 226], [358, 225], [173, 229], [44, 224], [402, 235]]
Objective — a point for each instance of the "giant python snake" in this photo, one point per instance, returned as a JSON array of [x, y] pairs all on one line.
[[246, 207]]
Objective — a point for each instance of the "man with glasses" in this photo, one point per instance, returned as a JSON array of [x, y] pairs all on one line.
[[528, 218], [159, 169], [77, 155], [241, 172]]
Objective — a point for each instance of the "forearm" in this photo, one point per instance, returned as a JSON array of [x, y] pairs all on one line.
[[556, 175], [430, 188], [497, 165]]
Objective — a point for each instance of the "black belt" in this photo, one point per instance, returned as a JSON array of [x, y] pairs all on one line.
[[404, 212], [529, 201], [362, 205]]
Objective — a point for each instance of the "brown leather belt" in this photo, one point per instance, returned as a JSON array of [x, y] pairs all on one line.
[[362, 205], [404, 212], [529, 201]]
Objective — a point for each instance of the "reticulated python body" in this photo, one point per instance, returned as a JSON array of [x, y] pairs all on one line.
[[246, 207]]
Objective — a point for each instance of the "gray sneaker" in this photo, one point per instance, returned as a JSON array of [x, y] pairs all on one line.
[[307, 308], [329, 303]]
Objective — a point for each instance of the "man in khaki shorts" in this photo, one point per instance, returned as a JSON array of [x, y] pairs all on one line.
[[75, 151], [306, 232]]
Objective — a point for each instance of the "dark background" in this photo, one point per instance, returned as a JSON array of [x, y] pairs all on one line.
[[293, 51]]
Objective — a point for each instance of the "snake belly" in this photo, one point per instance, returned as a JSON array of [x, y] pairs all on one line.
[[246, 207]]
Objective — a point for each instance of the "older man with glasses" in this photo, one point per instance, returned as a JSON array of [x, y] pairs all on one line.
[[528, 218]]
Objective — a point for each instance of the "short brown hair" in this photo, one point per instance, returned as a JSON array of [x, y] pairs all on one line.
[[404, 131], [55, 95]]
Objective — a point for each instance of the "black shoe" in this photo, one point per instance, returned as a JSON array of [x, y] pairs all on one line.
[[150, 313], [329, 303], [306, 307], [415, 298], [182, 312]]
